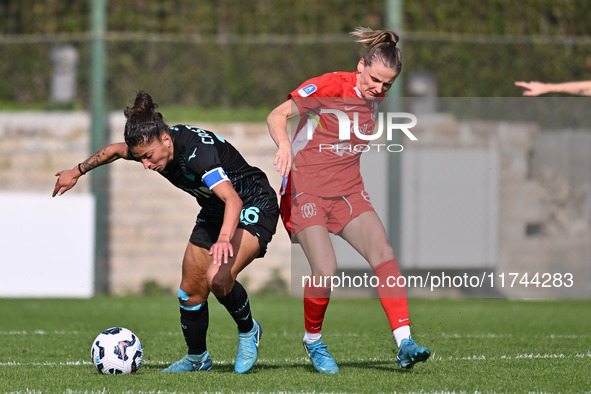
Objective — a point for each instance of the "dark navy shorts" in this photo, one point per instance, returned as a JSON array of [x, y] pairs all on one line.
[[258, 218]]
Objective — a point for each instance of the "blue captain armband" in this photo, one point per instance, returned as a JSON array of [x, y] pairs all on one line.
[[214, 177]]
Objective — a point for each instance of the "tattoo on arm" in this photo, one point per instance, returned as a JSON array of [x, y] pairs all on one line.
[[92, 162], [98, 159]]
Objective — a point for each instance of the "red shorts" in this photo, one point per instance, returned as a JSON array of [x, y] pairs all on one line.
[[334, 213]]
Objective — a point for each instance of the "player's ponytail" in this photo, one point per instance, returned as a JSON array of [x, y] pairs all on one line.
[[144, 123], [381, 45]]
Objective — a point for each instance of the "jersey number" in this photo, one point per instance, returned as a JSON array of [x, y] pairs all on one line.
[[249, 215]]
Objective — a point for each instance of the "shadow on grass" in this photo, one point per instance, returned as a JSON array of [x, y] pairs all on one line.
[[347, 366], [385, 366]]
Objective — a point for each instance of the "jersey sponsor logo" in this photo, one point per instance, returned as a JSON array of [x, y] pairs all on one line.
[[308, 210], [307, 90], [315, 115]]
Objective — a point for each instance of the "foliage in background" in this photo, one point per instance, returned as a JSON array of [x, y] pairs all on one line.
[[251, 53], [275, 286]]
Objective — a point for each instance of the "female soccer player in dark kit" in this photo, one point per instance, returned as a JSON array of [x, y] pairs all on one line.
[[324, 192], [238, 217]]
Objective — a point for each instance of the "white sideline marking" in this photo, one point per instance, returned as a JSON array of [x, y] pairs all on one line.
[[46, 363], [60, 332], [38, 332], [525, 356], [491, 335]]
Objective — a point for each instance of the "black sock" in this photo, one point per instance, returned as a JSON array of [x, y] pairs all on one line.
[[194, 324], [236, 302]]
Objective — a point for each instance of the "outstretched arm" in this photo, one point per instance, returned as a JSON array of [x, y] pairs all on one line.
[[66, 179], [277, 125], [577, 88]]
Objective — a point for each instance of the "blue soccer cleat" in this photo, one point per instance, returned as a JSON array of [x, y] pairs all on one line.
[[321, 358], [410, 353], [188, 364], [248, 348]]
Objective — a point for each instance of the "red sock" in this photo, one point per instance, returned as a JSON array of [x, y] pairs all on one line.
[[392, 297], [315, 303]]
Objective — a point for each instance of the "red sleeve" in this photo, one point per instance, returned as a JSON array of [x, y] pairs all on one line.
[[327, 85]]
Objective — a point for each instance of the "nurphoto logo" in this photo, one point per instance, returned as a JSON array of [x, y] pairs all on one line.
[[389, 122]]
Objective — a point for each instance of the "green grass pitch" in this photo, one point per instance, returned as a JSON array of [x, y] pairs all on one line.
[[478, 345]]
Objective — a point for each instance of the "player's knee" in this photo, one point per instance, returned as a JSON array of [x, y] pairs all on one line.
[[384, 253], [323, 271], [220, 285], [189, 300]]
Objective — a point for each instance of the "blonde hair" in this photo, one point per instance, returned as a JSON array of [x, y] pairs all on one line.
[[380, 44]]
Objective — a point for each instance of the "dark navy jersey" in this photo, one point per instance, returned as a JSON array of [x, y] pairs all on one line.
[[202, 160]]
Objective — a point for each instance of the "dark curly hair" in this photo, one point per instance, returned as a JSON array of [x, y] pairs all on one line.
[[144, 124]]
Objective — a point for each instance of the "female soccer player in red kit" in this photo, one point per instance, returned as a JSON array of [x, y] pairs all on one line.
[[324, 193]]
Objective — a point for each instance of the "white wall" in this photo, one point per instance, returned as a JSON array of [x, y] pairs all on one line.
[[46, 245]]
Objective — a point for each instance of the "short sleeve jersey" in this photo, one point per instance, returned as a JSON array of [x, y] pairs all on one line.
[[328, 165], [203, 159]]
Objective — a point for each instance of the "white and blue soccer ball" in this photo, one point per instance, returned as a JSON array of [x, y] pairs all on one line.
[[117, 351]]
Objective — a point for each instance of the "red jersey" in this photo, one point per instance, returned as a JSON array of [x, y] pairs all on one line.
[[328, 141]]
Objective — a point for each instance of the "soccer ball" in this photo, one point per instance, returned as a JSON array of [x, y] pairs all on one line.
[[117, 351]]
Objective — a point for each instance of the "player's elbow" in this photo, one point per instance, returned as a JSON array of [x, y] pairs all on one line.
[[272, 120], [234, 201], [278, 116]]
